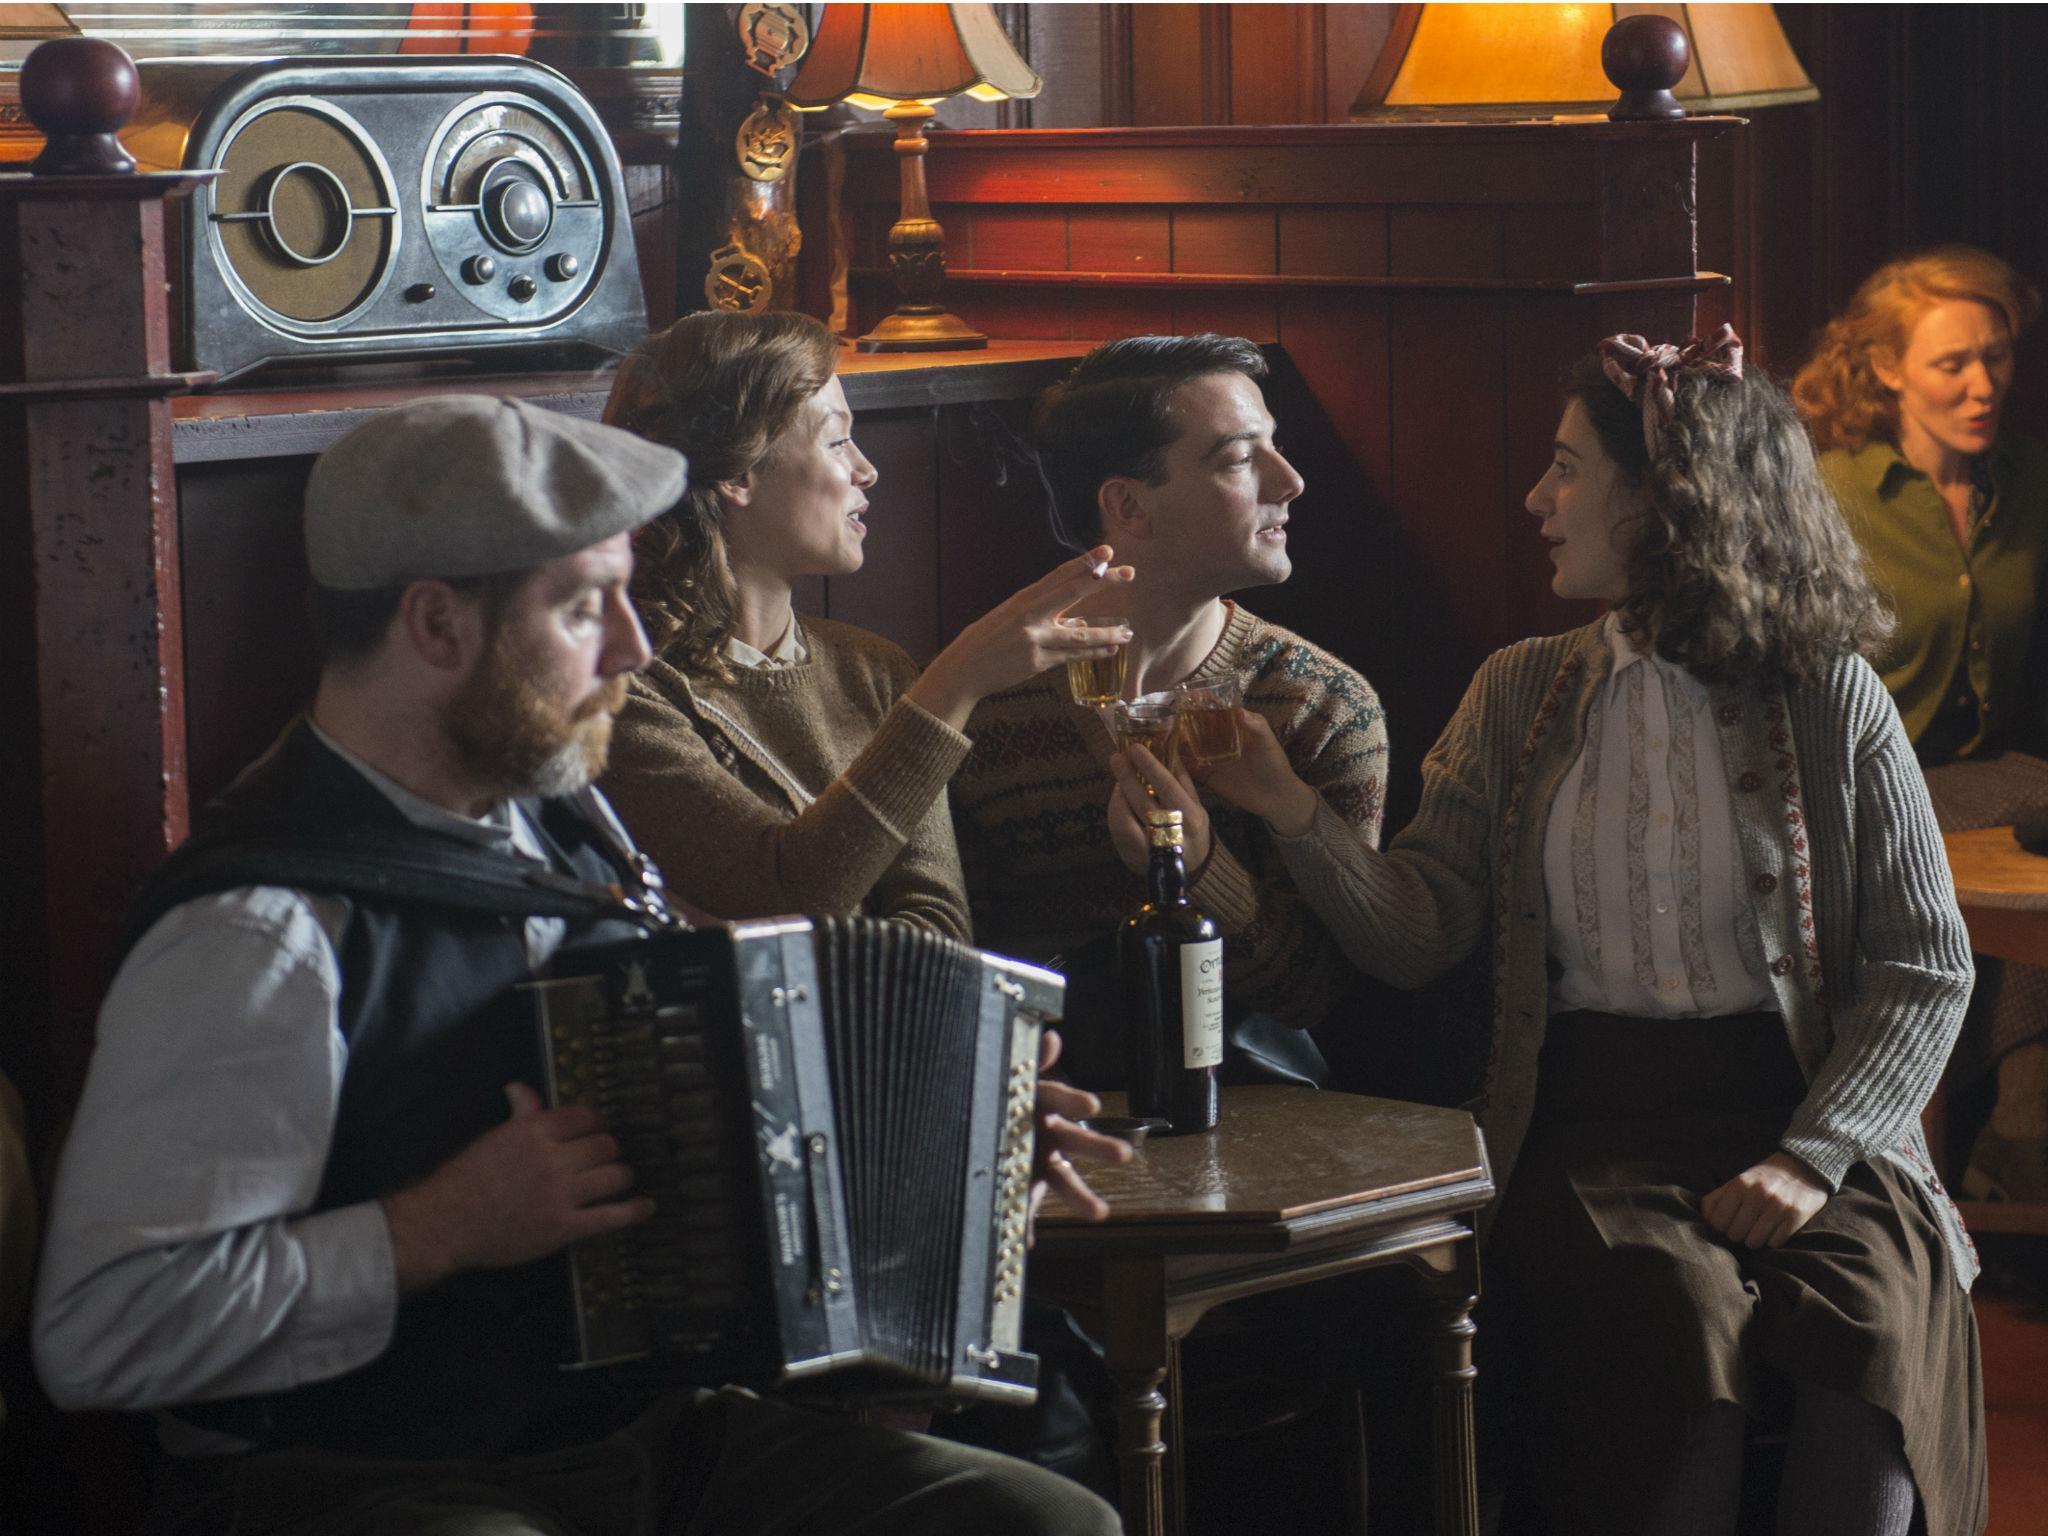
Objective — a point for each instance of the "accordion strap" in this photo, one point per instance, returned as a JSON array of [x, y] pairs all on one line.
[[395, 868]]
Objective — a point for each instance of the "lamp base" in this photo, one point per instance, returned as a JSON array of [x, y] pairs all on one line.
[[922, 328]]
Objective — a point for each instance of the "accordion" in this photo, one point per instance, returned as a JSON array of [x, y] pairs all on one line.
[[834, 1118]]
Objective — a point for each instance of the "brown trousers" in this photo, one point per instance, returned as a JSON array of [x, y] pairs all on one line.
[[703, 1464]]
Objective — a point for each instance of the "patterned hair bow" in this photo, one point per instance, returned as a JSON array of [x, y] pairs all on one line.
[[1643, 372]]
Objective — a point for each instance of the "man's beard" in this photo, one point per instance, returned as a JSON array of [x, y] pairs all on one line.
[[513, 737]]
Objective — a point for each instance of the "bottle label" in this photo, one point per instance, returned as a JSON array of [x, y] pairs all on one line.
[[1201, 1004]]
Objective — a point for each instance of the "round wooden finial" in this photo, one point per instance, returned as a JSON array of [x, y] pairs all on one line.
[[80, 91], [1645, 56]]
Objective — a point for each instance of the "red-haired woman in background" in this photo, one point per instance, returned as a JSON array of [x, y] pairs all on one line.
[[1906, 397]]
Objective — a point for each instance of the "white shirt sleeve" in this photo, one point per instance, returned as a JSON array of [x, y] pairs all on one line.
[[181, 1262]]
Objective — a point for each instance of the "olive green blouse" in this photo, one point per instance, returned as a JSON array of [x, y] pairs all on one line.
[[1958, 666]]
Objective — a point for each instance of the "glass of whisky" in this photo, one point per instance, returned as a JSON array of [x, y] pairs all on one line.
[[1099, 680], [1146, 721], [1208, 718]]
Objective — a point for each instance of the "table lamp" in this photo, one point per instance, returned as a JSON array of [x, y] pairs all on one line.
[[902, 60], [1494, 61]]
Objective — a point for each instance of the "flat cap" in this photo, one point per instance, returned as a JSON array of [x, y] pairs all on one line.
[[473, 485]]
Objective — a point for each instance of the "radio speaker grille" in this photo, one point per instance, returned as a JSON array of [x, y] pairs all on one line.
[[305, 213]]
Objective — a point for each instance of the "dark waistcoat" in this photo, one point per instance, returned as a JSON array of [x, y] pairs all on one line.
[[434, 1030]]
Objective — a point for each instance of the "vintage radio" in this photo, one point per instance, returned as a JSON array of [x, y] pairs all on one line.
[[834, 1119], [392, 206]]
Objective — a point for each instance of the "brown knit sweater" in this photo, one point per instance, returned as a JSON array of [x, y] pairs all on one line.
[[813, 788], [1031, 811]]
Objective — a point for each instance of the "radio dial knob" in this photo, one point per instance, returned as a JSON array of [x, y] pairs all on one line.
[[479, 269], [563, 267], [517, 212], [522, 288]]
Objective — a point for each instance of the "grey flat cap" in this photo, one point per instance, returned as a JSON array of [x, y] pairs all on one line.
[[472, 485]]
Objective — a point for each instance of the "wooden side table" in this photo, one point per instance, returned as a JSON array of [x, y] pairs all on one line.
[[2003, 892], [1295, 1185]]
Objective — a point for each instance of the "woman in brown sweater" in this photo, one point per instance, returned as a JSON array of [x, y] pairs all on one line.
[[772, 764]]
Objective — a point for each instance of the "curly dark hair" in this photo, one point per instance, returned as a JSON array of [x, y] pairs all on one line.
[[1741, 562], [720, 388], [1113, 416]]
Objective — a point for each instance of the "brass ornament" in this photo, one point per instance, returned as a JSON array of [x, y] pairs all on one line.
[[773, 36], [739, 281], [767, 140]]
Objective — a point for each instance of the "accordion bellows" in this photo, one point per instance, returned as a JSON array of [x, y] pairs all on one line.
[[834, 1119]]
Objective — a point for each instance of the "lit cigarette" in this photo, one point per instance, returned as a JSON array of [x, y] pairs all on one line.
[[1101, 569]]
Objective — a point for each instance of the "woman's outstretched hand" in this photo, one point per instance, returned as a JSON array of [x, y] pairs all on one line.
[[1022, 636], [1764, 1206], [1261, 780], [1144, 783]]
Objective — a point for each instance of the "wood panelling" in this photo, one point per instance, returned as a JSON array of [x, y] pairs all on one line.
[[1535, 242], [1444, 242], [1100, 314], [1240, 64], [1276, 63], [1340, 241], [1113, 240], [1385, 163], [1240, 240], [1006, 237], [1180, 65]]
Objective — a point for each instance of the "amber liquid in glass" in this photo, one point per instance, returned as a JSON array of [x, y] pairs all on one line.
[[1209, 735], [1099, 680], [1153, 735]]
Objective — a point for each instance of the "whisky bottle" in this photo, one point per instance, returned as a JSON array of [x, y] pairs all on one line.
[[1171, 961]]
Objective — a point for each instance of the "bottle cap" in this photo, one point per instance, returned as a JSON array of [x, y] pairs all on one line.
[[1163, 829]]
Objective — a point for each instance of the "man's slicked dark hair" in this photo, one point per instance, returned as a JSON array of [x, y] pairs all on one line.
[[1112, 416]]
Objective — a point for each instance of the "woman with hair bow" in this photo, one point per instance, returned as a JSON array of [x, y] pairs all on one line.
[[1727, 967]]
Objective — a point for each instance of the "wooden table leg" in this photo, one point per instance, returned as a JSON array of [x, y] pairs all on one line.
[[1135, 1355], [1455, 1449]]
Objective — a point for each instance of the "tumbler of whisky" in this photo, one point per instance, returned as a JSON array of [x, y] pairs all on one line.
[[1208, 717], [1099, 680], [1146, 721]]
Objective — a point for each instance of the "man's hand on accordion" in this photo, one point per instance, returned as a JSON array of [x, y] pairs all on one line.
[[544, 1179], [1060, 1140]]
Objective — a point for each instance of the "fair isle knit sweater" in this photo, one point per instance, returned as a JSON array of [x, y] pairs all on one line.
[[1031, 810], [1849, 891], [813, 788]]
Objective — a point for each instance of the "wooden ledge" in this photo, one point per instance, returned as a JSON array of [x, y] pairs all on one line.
[[295, 421]]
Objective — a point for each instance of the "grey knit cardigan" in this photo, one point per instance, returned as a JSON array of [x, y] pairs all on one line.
[[1854, 911]]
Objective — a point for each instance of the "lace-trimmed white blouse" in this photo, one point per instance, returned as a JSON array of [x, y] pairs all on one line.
[[1640, 862]]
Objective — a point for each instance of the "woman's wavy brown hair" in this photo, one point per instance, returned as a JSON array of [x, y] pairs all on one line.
[[720, 389], [1741, 563], [1839, 393]]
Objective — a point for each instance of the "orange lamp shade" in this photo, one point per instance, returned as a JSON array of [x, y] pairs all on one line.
[[871, 55], [1522, 60]]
